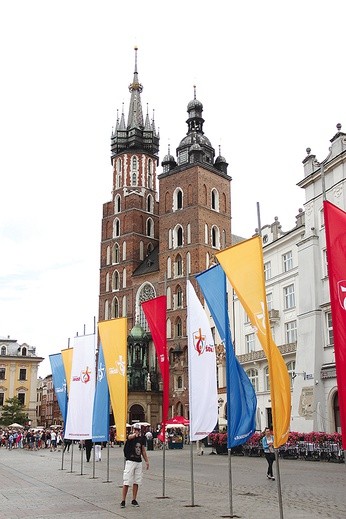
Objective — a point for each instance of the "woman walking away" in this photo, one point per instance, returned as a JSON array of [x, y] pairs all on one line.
[[268, 447]]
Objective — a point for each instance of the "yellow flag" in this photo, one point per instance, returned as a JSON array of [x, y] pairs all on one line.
[[113, 336], [67, 355], [243, 266]]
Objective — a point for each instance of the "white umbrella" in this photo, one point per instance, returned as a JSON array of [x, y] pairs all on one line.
[[16, 425]]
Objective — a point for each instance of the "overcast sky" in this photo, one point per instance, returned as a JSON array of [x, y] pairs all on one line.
[[271, 78]]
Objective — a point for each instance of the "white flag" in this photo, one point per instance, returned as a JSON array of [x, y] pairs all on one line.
[[202, 369], [82, 389]]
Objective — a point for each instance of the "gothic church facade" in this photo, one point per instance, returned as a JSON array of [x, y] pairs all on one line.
[[151, 245]]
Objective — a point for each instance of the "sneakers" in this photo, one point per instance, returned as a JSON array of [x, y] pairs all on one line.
[[270, 477], [134, 503], [122, 504]]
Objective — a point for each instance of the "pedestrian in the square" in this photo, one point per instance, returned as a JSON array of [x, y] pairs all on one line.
[[269, 452], [134, 451]]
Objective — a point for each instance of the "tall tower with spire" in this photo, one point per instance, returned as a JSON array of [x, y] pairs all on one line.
[[195, 209], [150, 247]]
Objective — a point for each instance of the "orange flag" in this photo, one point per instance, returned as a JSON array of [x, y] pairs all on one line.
[[67, 355], [243, 266], [113, 336]]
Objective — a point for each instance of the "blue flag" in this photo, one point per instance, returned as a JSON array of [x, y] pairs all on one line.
[[101, 403], [241, 396], [59, 382]]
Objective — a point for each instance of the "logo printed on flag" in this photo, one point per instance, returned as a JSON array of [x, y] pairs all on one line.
[[119, 368], [101, 372], [85, 378], [200, 343], [61, 389], [260, 319], [342, 293]]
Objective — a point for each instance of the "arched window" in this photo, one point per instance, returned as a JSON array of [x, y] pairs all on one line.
[[215, 237], [108, 255], [124, 278], [115, 280], [188, 233], [150, 174], [169, 329], [106, 310], [150, 227], [145, 293], [107, 282], [169, 267], [24, 351], [170, 239], [115, 308], [253, 376], [215, 199], [178, 266], [150, 248], [118, 166], [150, 204], [178, 199], [178, 236], [118, 175], [124, 306], [169, 298], [167, 202], [3, 350], [124, 251], [116, 228], [117, 204], [179, 297], [206, 234], [179, 382], [116, 253], [178, 328]]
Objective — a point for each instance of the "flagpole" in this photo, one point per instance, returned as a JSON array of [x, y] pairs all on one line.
[[164, 417], [272, 397], [229, 411], [190, 411]]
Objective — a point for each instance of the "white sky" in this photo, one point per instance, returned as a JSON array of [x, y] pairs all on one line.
[[270, 75]]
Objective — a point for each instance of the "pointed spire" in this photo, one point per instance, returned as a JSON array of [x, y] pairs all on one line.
[[122, 125], [135, 119], [147, 121], [153, 123]]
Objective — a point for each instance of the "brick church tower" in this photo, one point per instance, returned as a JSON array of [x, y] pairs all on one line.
[[149, 247]]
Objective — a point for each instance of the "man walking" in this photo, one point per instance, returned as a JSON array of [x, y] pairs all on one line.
[[134, 451]]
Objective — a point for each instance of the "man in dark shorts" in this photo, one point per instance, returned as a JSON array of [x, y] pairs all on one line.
[[134, 451]]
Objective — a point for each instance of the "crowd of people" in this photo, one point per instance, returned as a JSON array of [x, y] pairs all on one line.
[[31, 439]]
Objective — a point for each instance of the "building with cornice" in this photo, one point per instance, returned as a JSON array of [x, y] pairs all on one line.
[[18, 375], [151, 245]]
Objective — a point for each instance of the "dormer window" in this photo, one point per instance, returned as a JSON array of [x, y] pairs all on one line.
[[24, 351], [3, 350], [183, 157]]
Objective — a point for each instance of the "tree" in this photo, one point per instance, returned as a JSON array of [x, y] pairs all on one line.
[[13, 411]]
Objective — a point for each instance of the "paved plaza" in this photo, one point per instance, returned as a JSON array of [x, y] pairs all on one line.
[[42, 485]]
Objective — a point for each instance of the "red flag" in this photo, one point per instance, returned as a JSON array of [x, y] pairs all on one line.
[[155, 311], [335, 226]]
